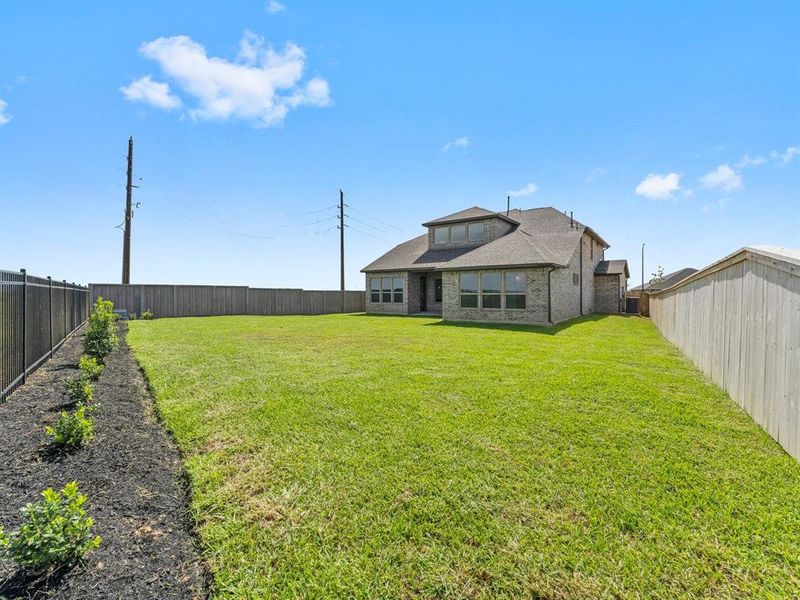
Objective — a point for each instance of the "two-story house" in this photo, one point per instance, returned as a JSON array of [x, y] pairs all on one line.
[[530, 266]]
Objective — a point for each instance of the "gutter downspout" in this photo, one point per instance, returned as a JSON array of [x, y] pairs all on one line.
[[580, 266], [549, 294]]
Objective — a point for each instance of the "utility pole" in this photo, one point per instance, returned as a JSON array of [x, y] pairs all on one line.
[[341, 240], [126, 244], [642, 268]]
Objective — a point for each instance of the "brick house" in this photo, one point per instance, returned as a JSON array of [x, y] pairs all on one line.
[[526, 266]]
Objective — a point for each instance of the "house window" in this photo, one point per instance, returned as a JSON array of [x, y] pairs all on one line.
[[386, 289], [397, 283], [375, 289], [490, 290], [469, 290], [441, 235], [475, 232], [437, 289], [515, 289], [458, 233]]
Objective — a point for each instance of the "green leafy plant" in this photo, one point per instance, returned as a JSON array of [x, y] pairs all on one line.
[[132, 316], [146, 315], [101, 336], [72, 428], [90, 367], [80, 389], [55, 531]]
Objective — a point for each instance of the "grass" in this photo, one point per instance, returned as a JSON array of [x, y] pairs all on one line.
[[367, 456]]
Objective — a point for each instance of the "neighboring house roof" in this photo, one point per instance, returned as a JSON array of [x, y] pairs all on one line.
[[612, 267], [667, 280], [778, 257], [543, 237], [470, 214]]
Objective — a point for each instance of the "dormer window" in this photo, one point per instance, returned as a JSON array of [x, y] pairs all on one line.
[[476, 232], [459, 233]]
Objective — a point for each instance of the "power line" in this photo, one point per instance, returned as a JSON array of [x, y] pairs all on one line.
[[365, 223], [374, 218], [365, 233]]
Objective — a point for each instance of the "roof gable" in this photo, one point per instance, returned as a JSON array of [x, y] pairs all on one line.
[[542, 237], [470, 214]]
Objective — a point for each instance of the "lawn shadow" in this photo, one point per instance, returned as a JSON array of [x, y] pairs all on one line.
[[505, 326]]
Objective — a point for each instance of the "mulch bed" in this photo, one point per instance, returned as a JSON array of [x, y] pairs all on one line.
[[131, 473]]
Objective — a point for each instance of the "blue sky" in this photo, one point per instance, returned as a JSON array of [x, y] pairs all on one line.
[[673, 124]]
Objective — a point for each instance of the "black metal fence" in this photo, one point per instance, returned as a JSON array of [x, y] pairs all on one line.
[[36, 315]]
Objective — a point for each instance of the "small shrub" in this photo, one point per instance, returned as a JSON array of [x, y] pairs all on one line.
[[72, 429], [101, 336], [90, 368], [132, 316], [146, 315], [55, 531], [79, 389]]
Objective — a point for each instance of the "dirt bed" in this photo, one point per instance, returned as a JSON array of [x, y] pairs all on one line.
[[131, 473]]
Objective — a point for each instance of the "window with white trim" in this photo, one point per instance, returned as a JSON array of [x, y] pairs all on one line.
[[491, 289], [386, 289], [516, 284], [469, 290], [397, 287], [476, 232], [375, 289]]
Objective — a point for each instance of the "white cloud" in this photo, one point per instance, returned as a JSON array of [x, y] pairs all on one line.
[[151, 92], [747, 161], [260, 86], [528, 190], [659, 187], [273, 7], [4, 116], [724, 178], [462, 142], [787, 156], [594, 174]]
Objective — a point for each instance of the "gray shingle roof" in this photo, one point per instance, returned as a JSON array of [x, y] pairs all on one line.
[[612, 267], [543, 237], [469, 214], [668, 280]]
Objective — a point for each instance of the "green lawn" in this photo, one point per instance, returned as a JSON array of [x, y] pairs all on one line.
[[386, 457]]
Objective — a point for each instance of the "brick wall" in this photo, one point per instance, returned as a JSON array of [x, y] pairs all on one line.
[[535, 310], [608, 291]]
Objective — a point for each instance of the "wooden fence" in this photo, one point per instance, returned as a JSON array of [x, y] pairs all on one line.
[[739, 322], [36, 315], [211, 300]]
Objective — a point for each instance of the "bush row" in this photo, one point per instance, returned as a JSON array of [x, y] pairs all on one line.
[[56, 531]]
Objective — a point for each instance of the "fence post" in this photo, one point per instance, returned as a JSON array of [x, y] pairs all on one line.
[[174, 300], [64, 281], [24, 324], [247, 300], [50, 310]]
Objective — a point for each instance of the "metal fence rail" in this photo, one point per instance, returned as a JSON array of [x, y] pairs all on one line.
[[211, 300], [36, 315]]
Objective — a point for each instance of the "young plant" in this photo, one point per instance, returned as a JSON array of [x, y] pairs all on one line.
[[72, 429], [101, 336], [90, 367], [79, 389], [55, 531], [146, 315]]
